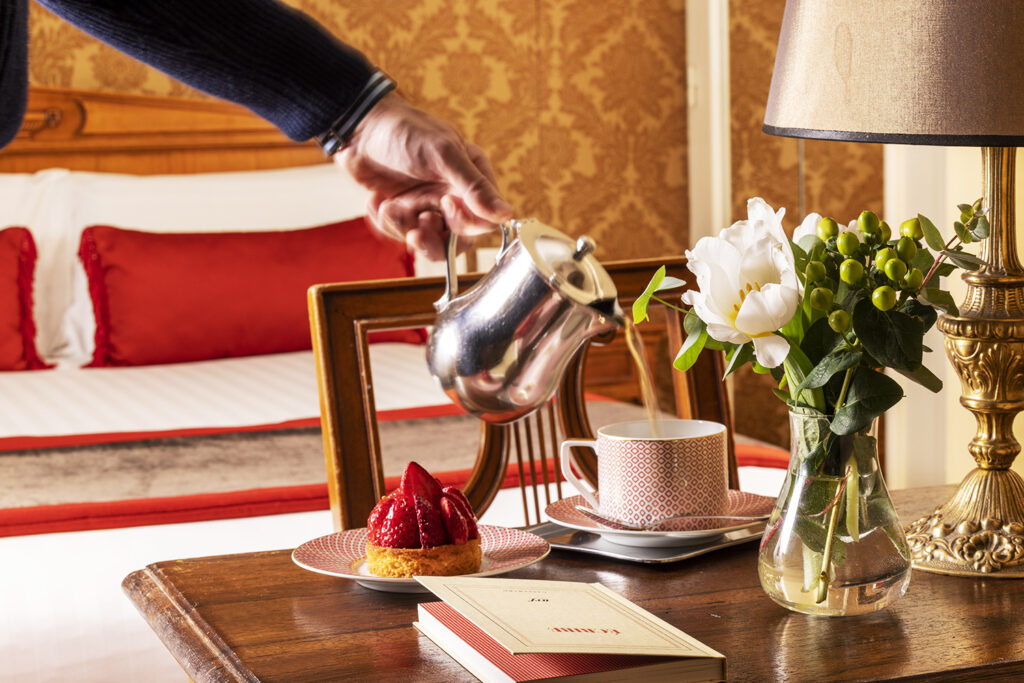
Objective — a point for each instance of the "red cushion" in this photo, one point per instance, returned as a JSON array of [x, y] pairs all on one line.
[[17, 328], [174, 297]]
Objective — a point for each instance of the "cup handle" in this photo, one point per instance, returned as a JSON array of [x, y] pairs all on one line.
[[566, 463]]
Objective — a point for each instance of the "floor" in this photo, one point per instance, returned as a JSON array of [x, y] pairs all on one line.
[[64, 618]]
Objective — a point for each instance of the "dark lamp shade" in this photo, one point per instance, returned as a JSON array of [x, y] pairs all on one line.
[[926, 72]]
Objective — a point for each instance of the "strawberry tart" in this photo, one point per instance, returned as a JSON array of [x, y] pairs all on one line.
[[422, 529]]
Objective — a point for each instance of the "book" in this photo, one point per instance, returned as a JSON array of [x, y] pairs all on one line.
[[530, 630]]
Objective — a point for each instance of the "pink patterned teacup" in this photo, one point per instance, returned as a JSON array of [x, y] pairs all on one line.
[[642, 478]]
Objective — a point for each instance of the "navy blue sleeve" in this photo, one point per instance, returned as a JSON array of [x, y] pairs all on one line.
[[13, 67], [261, 54]]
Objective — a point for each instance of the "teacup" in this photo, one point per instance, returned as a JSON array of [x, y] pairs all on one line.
[[643, 478]]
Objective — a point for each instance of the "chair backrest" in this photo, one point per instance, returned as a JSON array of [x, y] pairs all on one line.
[[342, 314]]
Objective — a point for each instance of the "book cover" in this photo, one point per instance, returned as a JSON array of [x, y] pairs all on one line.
[[523, 630]]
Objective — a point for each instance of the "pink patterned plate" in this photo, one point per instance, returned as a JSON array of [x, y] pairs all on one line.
[[742, 503], [344, 554]]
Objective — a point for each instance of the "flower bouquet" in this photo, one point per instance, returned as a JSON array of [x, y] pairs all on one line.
[[826, 313]]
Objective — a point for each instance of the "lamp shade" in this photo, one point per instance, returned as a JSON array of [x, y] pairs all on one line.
[[928, 72]]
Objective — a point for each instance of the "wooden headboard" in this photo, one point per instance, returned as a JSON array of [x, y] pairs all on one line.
[[141, 134]]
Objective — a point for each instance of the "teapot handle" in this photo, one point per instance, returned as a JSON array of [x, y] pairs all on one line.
[[451, 278]]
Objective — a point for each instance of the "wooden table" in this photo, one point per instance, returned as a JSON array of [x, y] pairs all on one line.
[[259, 617]]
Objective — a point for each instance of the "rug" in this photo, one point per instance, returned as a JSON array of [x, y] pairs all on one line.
[[220, 476]]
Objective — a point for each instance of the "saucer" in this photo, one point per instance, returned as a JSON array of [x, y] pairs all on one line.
[[343, 554], [740, 503]]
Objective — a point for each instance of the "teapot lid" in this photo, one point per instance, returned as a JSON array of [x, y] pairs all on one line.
[[568, 264]]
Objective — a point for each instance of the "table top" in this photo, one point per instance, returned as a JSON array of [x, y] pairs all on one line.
[[258, 616]]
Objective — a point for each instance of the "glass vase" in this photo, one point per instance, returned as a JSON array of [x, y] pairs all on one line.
[[833, 545]]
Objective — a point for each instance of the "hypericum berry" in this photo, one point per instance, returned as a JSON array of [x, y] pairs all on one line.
[[815, 271], [895, 269], [912, 228], [827, 227], [848, 243], [883, 297], [822, 298], [912, 280], [851, 271], [906, 249], [839, 320], [867, 223], [883, 256], [886, 232]]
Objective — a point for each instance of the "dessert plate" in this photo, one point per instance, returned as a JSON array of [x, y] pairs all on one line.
[[742, 503], [344, 554]]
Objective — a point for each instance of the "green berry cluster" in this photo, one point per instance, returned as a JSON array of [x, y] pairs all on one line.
[[867, 262]]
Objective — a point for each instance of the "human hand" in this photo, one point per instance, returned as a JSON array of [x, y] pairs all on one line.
[[423, 177]]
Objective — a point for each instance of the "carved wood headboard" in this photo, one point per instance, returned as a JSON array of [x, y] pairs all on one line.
[[141, 134]]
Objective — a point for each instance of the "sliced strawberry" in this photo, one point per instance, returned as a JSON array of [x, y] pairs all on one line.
[[454, 521], [459, 498], [416, 481], [400, 528], [431, 527], [377, 516]]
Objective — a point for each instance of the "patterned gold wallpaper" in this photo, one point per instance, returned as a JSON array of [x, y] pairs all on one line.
[[581, 105], [839, 179]]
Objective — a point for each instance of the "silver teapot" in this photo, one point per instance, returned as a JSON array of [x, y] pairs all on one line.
[[500, 349]]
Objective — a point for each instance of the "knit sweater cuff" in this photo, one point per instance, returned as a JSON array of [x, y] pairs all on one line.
[[338, 134]]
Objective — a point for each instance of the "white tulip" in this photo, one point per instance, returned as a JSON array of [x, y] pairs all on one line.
[[748, 283]]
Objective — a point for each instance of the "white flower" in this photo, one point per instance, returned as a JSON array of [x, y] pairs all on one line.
[[748, 283]]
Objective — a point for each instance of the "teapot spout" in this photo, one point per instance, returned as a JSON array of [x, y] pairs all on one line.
[[610, 310]]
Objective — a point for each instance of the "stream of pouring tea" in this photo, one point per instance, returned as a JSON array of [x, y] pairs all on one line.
[[636, 349]]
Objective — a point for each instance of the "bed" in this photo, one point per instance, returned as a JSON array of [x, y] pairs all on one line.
[[118, 192]]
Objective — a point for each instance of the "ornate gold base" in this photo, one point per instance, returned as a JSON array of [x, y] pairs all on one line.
[[979, 532]]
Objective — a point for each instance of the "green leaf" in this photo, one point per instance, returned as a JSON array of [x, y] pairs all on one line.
[[797, 365], [670, 283], [924, 377], [925, 313], [922, 260], [944, 269], [835, 362], [871, 394], [891, 337], [931, 234], [940, 299], [964, 259], [644, 300], [696, 338], [739, 356], [962, 233], [965, 208], [981, 231]]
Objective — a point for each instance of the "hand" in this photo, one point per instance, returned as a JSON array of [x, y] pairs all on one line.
[[423, 176]]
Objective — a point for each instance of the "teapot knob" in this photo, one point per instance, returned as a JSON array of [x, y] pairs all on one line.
[[584, 246]]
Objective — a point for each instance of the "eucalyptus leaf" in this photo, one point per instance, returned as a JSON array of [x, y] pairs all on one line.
[[965, 208], [982, 229], [924, 377], [892, 337], [931, 234], [835, 362], [941, 299], [962, 233], [922, 260], [871, 394], [644, 300], [964, 259]]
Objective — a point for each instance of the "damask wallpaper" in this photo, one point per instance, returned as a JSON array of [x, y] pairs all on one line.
[[838, 179], [581, 105]]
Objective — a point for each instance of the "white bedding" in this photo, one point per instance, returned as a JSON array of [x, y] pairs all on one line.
[[231, 392]]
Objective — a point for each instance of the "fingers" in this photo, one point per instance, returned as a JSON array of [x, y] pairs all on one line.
[[467, 170]]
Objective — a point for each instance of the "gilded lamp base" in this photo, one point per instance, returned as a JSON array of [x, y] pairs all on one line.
[[980, 531]]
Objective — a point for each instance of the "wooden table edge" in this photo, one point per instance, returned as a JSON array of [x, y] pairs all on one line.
[[184, 633]]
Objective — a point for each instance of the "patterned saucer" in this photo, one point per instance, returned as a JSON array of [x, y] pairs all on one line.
[[344, 554], [741, 503]]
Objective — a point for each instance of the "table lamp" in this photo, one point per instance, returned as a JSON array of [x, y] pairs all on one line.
[[936, 72]]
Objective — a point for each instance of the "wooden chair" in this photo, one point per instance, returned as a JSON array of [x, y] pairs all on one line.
[[342, 314]]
